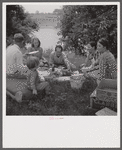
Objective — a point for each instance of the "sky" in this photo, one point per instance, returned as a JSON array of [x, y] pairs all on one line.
[[32, 8]]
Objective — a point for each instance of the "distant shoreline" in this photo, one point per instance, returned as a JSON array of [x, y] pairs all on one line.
[[49, 27]]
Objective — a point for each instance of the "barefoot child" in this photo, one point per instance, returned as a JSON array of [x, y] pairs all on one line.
[[33, 81]]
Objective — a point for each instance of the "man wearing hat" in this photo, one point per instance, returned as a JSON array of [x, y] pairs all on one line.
[[14, 57]]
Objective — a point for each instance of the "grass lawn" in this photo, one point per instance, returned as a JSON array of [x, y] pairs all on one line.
[[65, 101]]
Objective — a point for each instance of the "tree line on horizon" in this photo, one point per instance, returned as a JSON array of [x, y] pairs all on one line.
[[78, 23], [19, 21]]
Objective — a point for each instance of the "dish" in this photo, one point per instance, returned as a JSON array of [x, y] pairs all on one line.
[[34, 52]]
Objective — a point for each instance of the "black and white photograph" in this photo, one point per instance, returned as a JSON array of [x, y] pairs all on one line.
[[61, 60]]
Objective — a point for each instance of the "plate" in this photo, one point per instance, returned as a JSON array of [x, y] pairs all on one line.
[[34, 52], [44, 73]]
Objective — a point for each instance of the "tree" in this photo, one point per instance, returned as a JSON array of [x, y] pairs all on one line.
[[17, 21], [90, 23], [59, 13], [37, 12]]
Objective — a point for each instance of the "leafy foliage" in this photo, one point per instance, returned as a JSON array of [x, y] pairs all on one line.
[[89, 23], [18, 22]]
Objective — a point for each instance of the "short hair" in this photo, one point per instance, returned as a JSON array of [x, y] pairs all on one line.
[[104, 42], [59, 46], [32, 62], [18, 37], [32, 43], [93, 44]]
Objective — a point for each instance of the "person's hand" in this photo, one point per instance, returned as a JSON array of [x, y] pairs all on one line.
[[85, 74], [68, 68], [35, 92], [26, 72], [73, 66], [41, 64], [52, 65], [42, 78], [82, 65], [83, 69]]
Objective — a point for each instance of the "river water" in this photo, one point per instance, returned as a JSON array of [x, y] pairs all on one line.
[[48, 37]]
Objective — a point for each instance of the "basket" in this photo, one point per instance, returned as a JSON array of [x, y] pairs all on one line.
[[76, 81]]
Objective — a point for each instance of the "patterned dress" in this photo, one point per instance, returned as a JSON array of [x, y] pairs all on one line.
[[108, 66]]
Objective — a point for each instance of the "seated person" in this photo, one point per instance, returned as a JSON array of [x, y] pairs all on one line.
[[34, 81], [107, 62], [14, 58], [58, 58], [35, 46], [92, 56]]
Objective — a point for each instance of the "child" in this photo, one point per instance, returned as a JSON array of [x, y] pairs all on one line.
[[33, 81]]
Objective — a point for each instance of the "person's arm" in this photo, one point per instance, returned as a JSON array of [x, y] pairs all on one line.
[[86, 61], [40, 53], [33, 81], [102, 68], [19, 66], [86, 67], [66, 61], [51, 59], [96, 62], [29, 49]]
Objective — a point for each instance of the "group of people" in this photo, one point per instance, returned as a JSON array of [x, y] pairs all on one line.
[[100, 55], [19, 65], [15, 66]]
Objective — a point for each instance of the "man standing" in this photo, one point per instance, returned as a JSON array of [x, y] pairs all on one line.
[[14, 57]]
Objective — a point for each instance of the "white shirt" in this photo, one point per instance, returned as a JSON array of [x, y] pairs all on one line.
[[14, 60]]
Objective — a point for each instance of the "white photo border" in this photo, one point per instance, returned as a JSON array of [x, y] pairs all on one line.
[[71, 131]]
